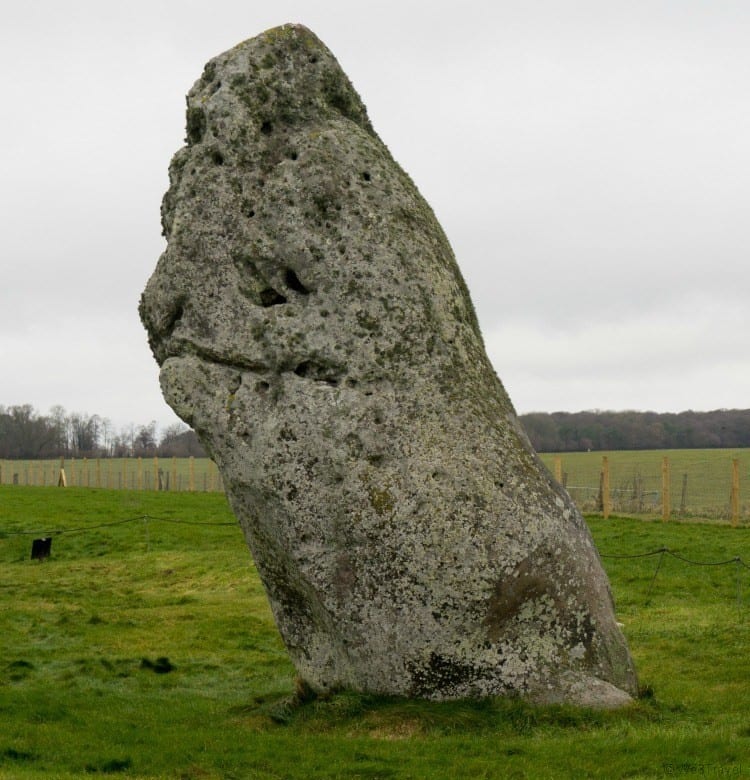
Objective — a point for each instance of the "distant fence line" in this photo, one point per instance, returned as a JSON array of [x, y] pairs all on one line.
[[170, 474], [682, 484], [670, 485]]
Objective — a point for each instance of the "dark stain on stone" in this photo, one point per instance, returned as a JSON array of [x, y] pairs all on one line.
[[440, 674], [195, 125], [525, 584]]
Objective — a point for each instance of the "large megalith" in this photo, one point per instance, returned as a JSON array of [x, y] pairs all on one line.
[[312, 326]]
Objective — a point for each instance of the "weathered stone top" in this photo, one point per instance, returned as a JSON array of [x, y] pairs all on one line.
[[313, 327]]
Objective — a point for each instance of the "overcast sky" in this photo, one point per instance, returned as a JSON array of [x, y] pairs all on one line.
[[589, 161]]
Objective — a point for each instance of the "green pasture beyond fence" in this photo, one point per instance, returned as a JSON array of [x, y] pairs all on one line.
[[670, 484], [655, 483], [175, 474]]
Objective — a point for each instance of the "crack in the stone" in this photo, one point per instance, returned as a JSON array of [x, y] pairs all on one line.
[[306, 369]]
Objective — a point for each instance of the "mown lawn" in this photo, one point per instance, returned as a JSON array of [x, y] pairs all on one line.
[[146, 649]]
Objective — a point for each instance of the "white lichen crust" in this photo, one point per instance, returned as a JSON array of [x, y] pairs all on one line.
[[313, 327]]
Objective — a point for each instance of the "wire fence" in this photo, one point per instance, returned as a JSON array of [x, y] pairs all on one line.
[[674, 484], [170, 474]]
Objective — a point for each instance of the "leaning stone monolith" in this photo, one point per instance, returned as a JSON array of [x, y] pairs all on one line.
[[313, 327]]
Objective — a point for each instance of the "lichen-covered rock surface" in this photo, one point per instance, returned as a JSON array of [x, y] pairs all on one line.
[[313, 327]]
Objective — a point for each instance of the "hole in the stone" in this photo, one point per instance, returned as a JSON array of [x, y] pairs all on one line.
[[271, 297], [266, 128], [174, 317], [217, 157], [262, 386], [318, 372], [293, 156], [366, 176], [293, 282], [351, 382]]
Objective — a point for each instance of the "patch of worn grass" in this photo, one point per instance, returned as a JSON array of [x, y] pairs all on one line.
[[147, 650]]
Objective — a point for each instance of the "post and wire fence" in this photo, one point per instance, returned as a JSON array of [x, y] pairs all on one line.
[[164, 474], [673, 485]]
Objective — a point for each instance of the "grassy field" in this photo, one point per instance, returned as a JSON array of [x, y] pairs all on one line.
[[173, 474], [700, 480], [146, 649]]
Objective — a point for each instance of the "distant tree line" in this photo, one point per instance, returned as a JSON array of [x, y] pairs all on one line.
[[599, 430], [26, 434]]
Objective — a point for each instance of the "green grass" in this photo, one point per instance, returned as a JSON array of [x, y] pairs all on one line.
[[700, 481], [85, 690], [115, 473]]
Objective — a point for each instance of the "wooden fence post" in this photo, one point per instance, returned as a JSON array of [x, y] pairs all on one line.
[[558, 469], [683, 496], [734, 500], [157, 480], [98, 472], [61, 480], [666, 498], [191, 475], [606, 502], [140, 473]]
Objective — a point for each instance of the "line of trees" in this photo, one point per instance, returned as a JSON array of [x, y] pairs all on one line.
[[26, 434], [600, 430]]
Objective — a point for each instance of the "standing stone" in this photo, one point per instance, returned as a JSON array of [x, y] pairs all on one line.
[[312, 325]]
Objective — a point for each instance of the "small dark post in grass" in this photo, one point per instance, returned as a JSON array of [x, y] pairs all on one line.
[[41, 548]]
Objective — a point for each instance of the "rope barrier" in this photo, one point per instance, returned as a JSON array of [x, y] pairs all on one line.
[[666, 551], [638, 555]]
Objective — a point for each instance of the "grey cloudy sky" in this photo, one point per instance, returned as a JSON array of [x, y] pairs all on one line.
[[589, 161]]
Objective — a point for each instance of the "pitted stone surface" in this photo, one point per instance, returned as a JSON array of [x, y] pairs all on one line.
[[313, 327]]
